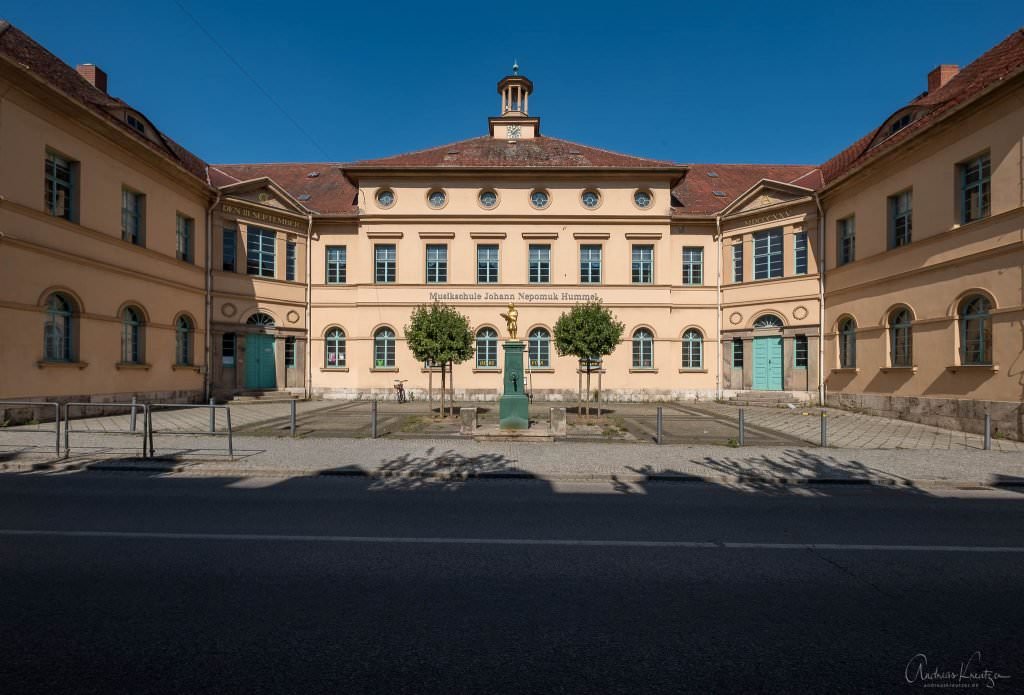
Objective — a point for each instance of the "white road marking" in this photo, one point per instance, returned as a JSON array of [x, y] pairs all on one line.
[[413, 540]]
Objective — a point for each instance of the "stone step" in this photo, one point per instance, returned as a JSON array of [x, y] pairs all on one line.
[[264, 397]]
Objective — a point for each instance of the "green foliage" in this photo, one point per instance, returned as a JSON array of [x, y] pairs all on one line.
[[439, 333], [587, 331]]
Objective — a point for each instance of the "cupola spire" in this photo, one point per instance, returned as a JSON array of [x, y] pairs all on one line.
[[515, 122]]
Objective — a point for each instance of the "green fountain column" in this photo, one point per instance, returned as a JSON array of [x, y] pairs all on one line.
[[514, 406]]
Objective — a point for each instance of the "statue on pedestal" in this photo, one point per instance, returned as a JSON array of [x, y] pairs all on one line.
[[511, 321]]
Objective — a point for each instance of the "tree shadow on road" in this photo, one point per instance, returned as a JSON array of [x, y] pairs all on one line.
[[446, 469]]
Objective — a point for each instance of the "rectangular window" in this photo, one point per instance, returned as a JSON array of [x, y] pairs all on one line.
[[768, 254], [737, 353], [289, 351], [261, 252], [800, 253], [59, 187], [385, 263], [437, 263], [289, 260], [540, 264], [693, 265], [487, 263], [337, 265], [228, 250], [800, 352], [590, 264], [643, 265], [976, 189], [900, 219], [185, 243], [227, 349], [845, 241], [737, 262], [132, 216]]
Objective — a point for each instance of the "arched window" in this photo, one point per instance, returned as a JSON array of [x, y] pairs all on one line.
[[540, 348], [486, 348], [335, 352], [693, 349], [900, 338], [131, 336], [976, 330], [848, 343], [643, 349], [384, 348], [261, 319], [183, 341], [57, 329], [768, 321]]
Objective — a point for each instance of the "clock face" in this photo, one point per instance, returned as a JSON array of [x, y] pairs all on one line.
[[539, 199], [436, 199], [385, 198], [642, 199], [590, 199], [488, 199], [514, 131]]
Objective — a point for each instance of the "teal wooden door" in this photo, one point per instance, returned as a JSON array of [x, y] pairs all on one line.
[[260, 365], [768, 363]]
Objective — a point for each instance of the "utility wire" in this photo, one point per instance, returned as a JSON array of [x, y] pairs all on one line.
[[252, 79]]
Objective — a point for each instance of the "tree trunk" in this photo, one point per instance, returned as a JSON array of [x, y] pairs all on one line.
[[588, 389], [442, 389], [579, 389], [430, 390], [451, 387]]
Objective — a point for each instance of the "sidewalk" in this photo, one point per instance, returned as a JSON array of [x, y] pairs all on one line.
[[447, 459]]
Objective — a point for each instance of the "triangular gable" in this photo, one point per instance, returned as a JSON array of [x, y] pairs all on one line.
[[263, 191], [766, 194]]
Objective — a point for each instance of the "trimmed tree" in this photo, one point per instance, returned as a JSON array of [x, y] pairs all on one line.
[[439, 335], [589, 332]]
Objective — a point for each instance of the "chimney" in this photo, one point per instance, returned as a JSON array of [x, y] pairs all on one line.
[[938, 77], [96, 77]]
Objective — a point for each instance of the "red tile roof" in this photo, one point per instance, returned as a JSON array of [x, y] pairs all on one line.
[[487, 152], [695, 195], [998, 64], [18, 48], [329, 191]]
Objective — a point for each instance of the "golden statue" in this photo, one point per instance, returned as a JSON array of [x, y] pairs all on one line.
[[511, 321]]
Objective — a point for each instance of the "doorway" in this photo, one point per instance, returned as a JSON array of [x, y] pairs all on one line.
[[260, 362]]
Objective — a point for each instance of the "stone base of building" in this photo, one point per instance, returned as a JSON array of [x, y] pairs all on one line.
[[99, 404], [951, 413], [553, 395]]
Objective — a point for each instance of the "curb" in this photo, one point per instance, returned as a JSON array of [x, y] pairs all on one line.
[[201, 469]]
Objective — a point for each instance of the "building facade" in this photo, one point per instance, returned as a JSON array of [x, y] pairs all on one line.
[[147, 272]]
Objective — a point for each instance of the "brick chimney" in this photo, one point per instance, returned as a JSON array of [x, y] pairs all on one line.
[[98, 79], [938, 77]]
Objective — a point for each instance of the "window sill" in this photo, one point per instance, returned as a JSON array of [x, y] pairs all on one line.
[[846, 370], [686, 370], [486, 370], [185, 368], [954, 368], [899, 370], [540, 370], [384, 369], [45, 364], [643, 370], [333, 369], [132, 365]]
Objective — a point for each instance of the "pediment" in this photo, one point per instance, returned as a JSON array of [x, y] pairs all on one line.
[[264, 192], [767, 194]]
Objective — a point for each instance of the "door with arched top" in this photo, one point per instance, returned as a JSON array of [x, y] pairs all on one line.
[[768, 359]]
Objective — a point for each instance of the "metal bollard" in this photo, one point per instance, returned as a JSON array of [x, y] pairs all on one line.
[[131, 420], [824, 429], [57, 427], [742, 427], [67, 430], [988, 432], [213, 417], [231, 436], [660, 424], [292, 423], [373, 419]]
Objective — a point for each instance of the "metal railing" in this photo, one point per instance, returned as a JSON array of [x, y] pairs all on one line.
[[132, 430], [213, 408], [40, 404]]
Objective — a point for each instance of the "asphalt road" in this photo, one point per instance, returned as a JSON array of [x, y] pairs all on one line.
[[134, 584]]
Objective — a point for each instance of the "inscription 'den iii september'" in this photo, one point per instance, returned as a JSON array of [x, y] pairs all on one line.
[[524, 297]]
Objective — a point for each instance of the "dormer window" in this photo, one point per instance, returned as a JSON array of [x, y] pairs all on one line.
[[135, 123], [900, 123]]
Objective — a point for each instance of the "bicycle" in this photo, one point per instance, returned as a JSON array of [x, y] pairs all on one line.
[[400, 390]]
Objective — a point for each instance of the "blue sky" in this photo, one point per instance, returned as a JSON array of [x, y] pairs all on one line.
[[689, 82]]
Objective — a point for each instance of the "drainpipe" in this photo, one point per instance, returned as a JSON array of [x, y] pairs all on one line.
[[718, 313], [821, 300], [309, 299], [208, 310]]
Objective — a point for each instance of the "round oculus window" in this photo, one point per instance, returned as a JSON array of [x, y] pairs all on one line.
[[590, 199], [488, 199], [436, 199], [385, 197], [539, 199], [643, 199]]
